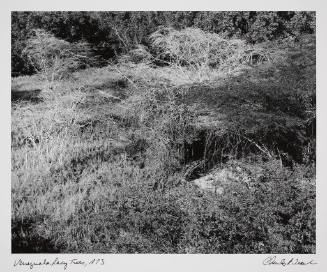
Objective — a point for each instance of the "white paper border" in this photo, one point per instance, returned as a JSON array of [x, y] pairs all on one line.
[[152, 262]]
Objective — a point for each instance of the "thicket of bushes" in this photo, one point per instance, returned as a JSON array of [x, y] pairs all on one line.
[[268, 108], [112, 33]]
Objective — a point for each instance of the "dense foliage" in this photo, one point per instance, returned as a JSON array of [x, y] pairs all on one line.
[[111, 33]]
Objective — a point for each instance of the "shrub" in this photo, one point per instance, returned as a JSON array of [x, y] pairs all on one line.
[[199, 50], [55, 58], [166, 123]]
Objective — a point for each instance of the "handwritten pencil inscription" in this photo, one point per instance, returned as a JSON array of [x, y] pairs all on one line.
[[57, 262]]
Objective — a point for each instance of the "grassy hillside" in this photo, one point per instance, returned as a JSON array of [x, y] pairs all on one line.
[[103, 161]]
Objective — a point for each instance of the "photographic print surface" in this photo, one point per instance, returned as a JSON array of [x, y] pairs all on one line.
[[163, 132]]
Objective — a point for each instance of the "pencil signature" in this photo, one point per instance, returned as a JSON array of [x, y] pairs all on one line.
[[273, 260]]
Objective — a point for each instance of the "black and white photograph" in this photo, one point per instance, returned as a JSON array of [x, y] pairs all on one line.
[[163, 132]]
